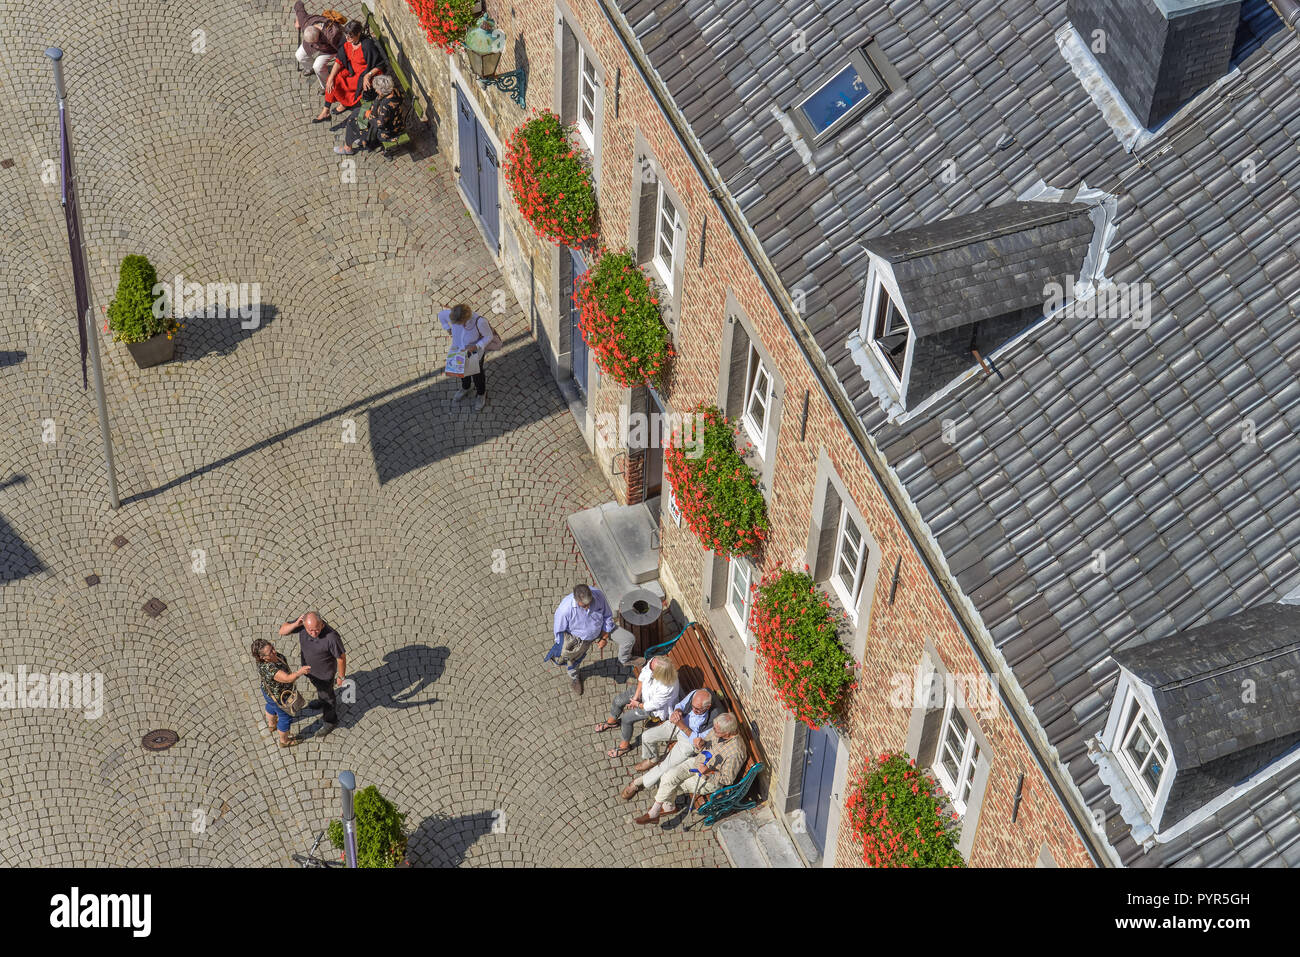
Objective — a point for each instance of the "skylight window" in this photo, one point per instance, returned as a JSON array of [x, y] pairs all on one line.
[[847, 93]]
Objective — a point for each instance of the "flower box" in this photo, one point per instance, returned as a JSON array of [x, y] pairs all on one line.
[[620, 320], [899, 815], [445, 22], [550, 181]]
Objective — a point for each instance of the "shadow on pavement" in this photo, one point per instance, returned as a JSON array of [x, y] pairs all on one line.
[[11, 358], [419, 429], [17, 560], [443, 841], [406, 674], [205, 333]]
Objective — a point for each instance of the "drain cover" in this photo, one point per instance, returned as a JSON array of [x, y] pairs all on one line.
[[153, 608], [119, 541], [92, 580], [159, 740], [6, 164]]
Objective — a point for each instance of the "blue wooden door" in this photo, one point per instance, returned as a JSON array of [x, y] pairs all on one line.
[[489, 212], [467, 139], [820, 751], [579, 345]]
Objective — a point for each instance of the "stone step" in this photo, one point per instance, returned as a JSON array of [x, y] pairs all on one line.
[[636, 533], [756, 839], [739, 841], [604, 558]]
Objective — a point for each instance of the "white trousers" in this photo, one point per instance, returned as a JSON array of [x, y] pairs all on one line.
[[320, 66]]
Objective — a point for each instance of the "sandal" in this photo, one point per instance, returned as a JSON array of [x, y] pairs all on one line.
[[291, 742], [607, 726], [618, 752], [321, 119]]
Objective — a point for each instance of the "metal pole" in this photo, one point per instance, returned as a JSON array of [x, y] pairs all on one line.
[[347, 785], [92, 327]]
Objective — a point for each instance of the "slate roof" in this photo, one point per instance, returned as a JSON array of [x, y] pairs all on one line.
[[957, 271], [1220, 728], [1102, 436]]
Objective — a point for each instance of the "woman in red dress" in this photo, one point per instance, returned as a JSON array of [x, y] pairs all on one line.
[[359, 61]]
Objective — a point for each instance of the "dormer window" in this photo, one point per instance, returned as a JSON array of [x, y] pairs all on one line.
[[1142, 750], [891, 335], [941, 298], [1199, 718]]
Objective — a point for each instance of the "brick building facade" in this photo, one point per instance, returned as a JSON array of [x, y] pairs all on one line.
[[816, 473]]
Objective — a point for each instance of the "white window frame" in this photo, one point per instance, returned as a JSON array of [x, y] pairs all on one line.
[[967, 762], [584, 85], [869, 335], [851, 593], [754, 370], [1131, 717], [665, 268], [735, 568]]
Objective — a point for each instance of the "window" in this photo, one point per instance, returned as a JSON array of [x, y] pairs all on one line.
[[739, 575], [850, 91], [958, 754], [586, 119], [890, 335], [850, 559], [667, 223], [758, 399], [1142, 750]]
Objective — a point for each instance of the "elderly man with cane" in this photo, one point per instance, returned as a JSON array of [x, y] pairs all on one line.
[[722, 760], [682, 733]]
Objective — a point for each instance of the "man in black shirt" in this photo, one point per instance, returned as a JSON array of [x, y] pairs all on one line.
[[322, 649]]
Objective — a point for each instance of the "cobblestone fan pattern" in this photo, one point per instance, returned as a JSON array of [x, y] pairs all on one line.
[[243, 503]]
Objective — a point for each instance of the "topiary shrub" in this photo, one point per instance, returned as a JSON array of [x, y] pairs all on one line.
[[132, 315], [381, 838]]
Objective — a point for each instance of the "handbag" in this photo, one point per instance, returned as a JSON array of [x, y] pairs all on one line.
[[291, 701], [494, 342]]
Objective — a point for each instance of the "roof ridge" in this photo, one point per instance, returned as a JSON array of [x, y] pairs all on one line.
[[1059, 213], [1290, 648]]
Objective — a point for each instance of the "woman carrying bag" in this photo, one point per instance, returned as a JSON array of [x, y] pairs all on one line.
[[472, 336], [283, 701]]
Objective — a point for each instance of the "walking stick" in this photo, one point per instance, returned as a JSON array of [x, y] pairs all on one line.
[[690, 801]]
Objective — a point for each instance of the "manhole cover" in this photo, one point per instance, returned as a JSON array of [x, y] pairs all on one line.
[[6, 163], [119, 541], [92, 580], [159, 740], [153, 608]]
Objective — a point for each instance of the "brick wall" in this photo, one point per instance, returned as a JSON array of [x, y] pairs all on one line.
[[897, 633]]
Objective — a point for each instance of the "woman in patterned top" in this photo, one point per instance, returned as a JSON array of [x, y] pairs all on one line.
[[386, 119], [276, 678]]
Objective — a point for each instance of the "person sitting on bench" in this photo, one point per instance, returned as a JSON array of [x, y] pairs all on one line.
[[656, 690], [322, 39], [385, 116], [719, 764], [681, 733], [358, 63]]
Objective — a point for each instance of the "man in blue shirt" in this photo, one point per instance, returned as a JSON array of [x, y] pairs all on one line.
[[584, 618], [684, 730]]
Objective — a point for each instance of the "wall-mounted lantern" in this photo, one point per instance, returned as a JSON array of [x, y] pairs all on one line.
[[484, 45]]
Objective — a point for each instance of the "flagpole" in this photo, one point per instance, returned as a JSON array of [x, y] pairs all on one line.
[[90, 328]]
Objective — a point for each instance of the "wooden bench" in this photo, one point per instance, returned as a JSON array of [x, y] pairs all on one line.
[[698, 667], [403, 84]]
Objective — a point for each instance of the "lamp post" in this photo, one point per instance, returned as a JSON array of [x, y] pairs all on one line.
[[484, 45], [347, 785]]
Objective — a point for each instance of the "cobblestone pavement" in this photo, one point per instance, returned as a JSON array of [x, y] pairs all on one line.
[[206, 162]]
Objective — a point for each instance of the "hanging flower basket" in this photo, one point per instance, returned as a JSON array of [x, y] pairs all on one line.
[[716, 491], [620, 320], [899, 815], [445, 22], [799, 647], [550, 181]]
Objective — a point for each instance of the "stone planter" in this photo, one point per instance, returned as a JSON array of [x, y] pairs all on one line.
[[153, 351]]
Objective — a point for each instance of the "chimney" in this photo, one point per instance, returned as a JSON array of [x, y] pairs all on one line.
[[1158, 53]]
